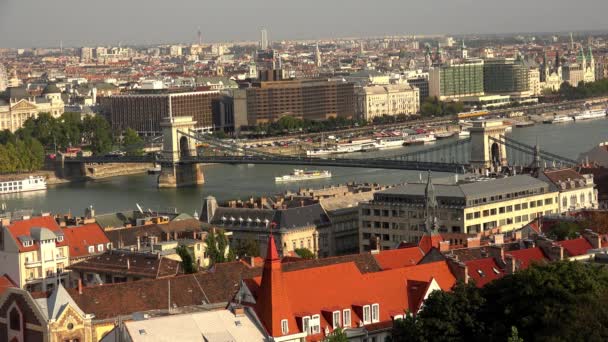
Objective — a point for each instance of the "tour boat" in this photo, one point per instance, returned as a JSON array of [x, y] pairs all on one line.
[[590, 114], [465, 133], [389, 142], [32, 183], [301, 175], [562, 119]]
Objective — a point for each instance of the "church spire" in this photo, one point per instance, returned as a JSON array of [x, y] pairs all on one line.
[[430, 204]]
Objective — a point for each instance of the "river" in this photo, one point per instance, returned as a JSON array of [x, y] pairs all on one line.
[[241, 181]]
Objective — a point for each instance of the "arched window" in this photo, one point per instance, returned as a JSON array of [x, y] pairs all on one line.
[[15, 319], [565, 202], [582, 199]]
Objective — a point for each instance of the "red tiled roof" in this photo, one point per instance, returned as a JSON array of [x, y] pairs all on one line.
[[429, 241], [396, 258], [483, 271], [527, 256], [343, 286], [5, 283], [81, 237], [575, 247], [23, 228]]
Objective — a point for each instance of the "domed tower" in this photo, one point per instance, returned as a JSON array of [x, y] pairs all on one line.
[[51, 92]]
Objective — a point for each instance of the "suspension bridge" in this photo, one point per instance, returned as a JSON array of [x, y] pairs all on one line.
[[486, 149]]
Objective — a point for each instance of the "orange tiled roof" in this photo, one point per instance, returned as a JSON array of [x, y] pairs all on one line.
[[527, 256], [396, 258], [429, 241], [23, 228], [5, 283], [81, 237], [483, 271], [575, 247]]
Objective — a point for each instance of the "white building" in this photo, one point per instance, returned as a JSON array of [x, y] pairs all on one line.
[[389, 100], [34, 253], [576, 191], [18, 105]]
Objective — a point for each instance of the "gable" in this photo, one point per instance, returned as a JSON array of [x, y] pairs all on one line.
[[23, 105], [27, 307]]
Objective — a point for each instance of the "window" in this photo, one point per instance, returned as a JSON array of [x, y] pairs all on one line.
[[532, 204], [486, 213], [375, 313], [315, 324], [91, 249], [27, 243], [284, 327], [336, 319], [524, 205], [306, 324], [539, 203], [493, 211], [517, 207], [469, 216], [59, 238], [366, 315], [346, 318], [477, 214], [501, 210], [548, 201], [108, 245], [15, 319], [100, 248], [509, 208]]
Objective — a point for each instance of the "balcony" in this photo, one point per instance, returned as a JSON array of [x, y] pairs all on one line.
[[32, 263]]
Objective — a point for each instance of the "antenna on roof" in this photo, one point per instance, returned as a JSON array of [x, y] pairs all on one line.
[[139, 207]]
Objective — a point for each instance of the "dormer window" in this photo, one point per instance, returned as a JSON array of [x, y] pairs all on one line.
[[306, 325], [27, 243], [100, 247], [346, 318], [336, 319], [284, 327], [375, 313], [59, 238], [91, 249], [315, 324], [367, 319]]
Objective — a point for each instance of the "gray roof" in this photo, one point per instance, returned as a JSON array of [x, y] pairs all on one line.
[[501, 185], [16, 93], [290, 218], [40, 234], [54, 305], [301, 217], [417, 189]]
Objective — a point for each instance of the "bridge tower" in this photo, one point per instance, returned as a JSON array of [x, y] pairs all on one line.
[[487, 154], [177, 149]]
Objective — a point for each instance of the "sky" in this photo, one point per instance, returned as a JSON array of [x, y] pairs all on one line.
[[44, 23]]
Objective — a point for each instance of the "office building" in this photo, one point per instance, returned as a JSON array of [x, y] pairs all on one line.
[[389, 100], [453, 81], [422, 83], [144, 111], [399, 214], [312, 99], [86, 54], [505, 76], [263, 39]]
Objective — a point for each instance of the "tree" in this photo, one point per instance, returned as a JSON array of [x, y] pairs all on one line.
[[304, 253], [218, 247], [96, 133], [564, 230], [560, 301], [187, 259], [338, 335], [247, 248], [132, 143]]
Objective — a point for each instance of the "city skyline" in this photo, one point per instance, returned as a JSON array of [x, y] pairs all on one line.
[[81, 24]]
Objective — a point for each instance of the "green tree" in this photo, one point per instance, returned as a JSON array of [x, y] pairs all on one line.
[[338, 335], [514, 336], [564, 230], [97, 134], [132, 143], [217, 247], [304, 253], [187, 259], [247, 248]]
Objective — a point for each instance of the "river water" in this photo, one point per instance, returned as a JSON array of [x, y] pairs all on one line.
[[241, 181]]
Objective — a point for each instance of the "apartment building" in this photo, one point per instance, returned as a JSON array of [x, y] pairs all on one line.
[[389, 100], [34, 253]]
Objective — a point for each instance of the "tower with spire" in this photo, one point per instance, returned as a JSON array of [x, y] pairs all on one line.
[[430, 206]]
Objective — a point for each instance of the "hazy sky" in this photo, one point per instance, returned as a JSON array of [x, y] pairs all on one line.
[[27, 23]]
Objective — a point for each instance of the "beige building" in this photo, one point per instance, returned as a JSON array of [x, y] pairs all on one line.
[[374, 101], [18, 105], [534, 82], [34, 253], [469, 207], [576, 191]]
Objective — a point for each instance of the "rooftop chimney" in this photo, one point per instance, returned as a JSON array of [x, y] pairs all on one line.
[[79, 286]]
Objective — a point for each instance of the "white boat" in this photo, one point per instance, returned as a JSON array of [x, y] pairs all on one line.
[[321, 152], [389, 142], [562, 119], [465, 133], [420, 139], [444, 135], [32, 183], [154, 170], [301, 175], [590, 114]]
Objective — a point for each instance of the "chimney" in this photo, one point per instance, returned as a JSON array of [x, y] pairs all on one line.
[[496, 252], [510, 264], [128, 264], [79, 286], [499, 239], [444, 246], [473, 242], [593, 238], [138, 243], [458, 269], [554, 251], [374, 244], [517, 235], [238, 310], [251, 261]]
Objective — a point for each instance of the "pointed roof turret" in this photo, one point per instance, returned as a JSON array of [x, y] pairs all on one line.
[[272, 303]]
